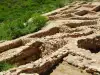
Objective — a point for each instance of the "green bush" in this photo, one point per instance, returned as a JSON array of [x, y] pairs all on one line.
[[37, 23]]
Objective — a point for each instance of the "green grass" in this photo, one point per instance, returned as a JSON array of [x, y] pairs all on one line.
[[5, 66], [16, 28], [13, 13]]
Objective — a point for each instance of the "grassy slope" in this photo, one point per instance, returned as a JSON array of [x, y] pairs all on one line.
[[13, 13], [12, 9]]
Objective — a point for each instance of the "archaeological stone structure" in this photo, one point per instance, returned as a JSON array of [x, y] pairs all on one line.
[[71, 36]]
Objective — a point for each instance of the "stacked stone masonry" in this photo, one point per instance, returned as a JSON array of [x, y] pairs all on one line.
[[72, 35]]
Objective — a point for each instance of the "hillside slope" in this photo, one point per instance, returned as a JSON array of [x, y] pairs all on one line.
[[13, 13]]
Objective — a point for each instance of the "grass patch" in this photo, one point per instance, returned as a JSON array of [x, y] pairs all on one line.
[[5, 66], [17, 28], [13, 13]]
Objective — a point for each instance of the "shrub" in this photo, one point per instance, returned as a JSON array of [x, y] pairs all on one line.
[[37, 23]]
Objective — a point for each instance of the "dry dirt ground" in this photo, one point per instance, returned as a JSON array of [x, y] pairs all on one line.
[[66, 69], [68, 45]]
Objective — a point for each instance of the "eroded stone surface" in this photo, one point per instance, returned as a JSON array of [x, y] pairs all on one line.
[[72, 36]]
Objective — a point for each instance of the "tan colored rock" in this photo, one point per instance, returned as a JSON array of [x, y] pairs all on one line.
[[71, 35]]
